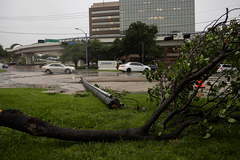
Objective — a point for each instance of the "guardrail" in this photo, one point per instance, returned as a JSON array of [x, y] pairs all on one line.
[[105, 97]]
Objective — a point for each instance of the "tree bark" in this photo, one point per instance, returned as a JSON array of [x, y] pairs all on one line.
[[17, 120]]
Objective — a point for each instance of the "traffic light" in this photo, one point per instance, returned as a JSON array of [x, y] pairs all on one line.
[[185, 36], [168, 38], [64, 43], [41, 41]]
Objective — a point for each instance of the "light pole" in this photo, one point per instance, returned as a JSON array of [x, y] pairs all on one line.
[[86, 46]]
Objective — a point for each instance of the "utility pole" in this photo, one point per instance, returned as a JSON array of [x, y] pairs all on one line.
[[86, 46]]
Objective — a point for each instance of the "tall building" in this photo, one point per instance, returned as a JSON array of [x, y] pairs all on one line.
[[104, 19], [168, 15]]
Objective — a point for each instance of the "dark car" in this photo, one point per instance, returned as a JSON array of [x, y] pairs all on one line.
[[152, 67], [12, 63]]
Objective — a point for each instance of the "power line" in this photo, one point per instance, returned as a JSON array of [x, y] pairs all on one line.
[[48, 17], [88, 33], [71, 15], [40, 33], [216, 9]]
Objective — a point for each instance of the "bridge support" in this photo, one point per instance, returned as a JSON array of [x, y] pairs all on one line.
[[18, 58], [29, 57]]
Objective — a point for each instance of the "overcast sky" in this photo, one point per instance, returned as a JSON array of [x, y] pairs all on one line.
[[26, 21]]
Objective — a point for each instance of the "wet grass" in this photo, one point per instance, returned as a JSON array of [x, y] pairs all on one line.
[[89, 112], [3, 70]]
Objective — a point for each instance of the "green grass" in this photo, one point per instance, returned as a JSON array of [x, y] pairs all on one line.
[[3, 70], [90, 113]]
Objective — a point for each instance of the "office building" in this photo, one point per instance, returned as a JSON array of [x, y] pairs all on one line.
[[168, 15], [104, 19]]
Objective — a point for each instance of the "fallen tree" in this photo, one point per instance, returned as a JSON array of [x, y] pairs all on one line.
[[198, 60]]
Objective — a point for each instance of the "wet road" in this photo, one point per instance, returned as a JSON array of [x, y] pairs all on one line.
[[31, 76], [83, 72]]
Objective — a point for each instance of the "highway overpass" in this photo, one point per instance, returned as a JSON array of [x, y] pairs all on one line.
[[28, 51]]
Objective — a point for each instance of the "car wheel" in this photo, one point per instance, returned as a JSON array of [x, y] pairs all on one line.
[[48, 71], [146, 69], [123, 71], [68, 71], [129, 70]]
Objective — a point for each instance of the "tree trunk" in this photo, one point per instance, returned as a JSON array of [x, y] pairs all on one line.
[[16, 120]]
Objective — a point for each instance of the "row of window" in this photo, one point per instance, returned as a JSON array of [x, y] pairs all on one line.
[[106, 29], [105, 11], [162, 2], [105, 23], [156, 9], [104, 35], [105, 17]]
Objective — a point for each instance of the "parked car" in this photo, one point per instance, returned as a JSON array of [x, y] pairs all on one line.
[[152, 67], [2, 65], [223, 67], [133, 66], [12, 63], [58, 68]]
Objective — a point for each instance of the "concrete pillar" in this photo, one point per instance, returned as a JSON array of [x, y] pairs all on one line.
[[18, 58], [28, 57], [80, 63]]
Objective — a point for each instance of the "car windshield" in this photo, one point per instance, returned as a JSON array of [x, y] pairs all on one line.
[[227, 65]]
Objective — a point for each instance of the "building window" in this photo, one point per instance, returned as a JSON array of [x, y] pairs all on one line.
[[105, 17], [106, 11], [106, 29], [105, 23]]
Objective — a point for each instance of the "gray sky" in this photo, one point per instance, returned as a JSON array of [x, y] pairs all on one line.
[[26, 21]]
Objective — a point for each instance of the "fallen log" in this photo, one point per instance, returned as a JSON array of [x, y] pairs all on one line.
[[17, 120]]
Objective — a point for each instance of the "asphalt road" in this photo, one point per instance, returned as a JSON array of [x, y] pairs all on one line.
[[31, 77]]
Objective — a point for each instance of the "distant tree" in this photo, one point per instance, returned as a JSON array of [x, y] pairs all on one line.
[[3, 53], [156, 52], [138, 33], [94, 47], [73, 53], [117, 49], [98, 51], [105, 53]]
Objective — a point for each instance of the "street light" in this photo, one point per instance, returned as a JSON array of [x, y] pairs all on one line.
[[86, 46]]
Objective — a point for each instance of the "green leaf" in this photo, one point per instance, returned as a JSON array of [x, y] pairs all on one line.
[[209, 83], [237, 52], [207, 135], [171, 75], [231, 120], [205, 121], [161, 127], [228, 106], [167, 95], [206, 59], [160, 133]]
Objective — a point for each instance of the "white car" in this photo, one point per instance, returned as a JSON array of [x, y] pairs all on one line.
[[223, 67], [2, 65], [57, 68], [133, 66]]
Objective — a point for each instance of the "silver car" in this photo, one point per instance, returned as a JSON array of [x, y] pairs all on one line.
[[223, 67], [57, 68], [2, 65]]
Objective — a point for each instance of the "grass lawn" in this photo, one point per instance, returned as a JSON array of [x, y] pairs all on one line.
[[90, 113], [3, 70]]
